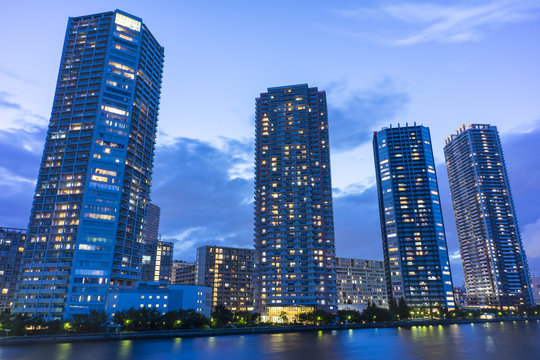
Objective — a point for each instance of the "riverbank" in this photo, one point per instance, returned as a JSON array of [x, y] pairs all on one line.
[[163, 334]]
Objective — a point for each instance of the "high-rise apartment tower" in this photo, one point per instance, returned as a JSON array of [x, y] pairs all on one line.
[[85, 230], [414, 242], [494, 261], [294, 224]]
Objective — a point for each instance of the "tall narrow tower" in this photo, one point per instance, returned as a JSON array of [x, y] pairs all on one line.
[[414, 242], [294, 224], [150, 239], [494, 261], [86, 223]]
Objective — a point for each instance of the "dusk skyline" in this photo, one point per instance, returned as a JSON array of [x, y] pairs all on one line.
[[420, 62]]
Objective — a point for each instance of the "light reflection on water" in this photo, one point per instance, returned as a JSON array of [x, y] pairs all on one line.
[[478, 341]]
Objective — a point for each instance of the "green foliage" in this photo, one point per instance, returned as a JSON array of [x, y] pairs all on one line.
[[403, 311], [246, 318], [151, 319], [317, 317], [139, 319], [93, 322], [471, 314], [373, 313], [393, 308], [350, 316], [14, 324], [222, 316], [22, 324], [184, 319]]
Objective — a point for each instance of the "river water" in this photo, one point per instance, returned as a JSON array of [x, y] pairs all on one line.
[[508, 341]]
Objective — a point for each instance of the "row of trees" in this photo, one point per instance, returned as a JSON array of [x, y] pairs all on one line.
[[99, 321], [151, 319], [143, 319], [372, 313], [221, 317], [19, 324]]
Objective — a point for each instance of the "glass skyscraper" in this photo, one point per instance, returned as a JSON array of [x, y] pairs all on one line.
[[294, 224], [414, 242], [86, 224], [494, 261]]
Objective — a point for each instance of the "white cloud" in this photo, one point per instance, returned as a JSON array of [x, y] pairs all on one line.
[[10, 179], [531, 239], [450, 24], [455, 256], [354, 189], [16, 117], [353, 171]]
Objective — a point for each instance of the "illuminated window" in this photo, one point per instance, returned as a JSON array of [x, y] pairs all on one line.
[[127, 22]]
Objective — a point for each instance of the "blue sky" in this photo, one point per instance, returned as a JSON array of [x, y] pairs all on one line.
[[440, 64]]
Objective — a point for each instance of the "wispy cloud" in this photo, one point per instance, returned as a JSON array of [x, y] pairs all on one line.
[[354, 189], [202, 190], [14, 116], [455, 256], [5, 103], [429, 22], [11, 179], [354, 114]]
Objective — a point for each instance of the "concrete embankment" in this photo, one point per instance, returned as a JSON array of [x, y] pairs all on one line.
[[16, 340]]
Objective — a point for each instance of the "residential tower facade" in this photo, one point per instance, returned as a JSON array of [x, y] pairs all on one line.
[[414, 242], [494, 262], [294, 224], [86, 223]]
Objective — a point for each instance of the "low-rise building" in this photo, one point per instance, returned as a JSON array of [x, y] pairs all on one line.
[[360, 281], [11, 250], [182, 273], [161, 296], [228, 271]]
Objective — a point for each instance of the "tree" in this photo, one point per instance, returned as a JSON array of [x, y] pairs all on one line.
[[195, 320], [94, 321], [244, 318], [317, 317], [376, 314], [393, 308], [350, 316], [14, 324], [222, 316], [403, 309], [54, 326], [139, 319]]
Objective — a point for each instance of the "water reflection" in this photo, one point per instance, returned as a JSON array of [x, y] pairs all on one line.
[[177, 345], [124, 349], [479, 341], [64, 351]]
